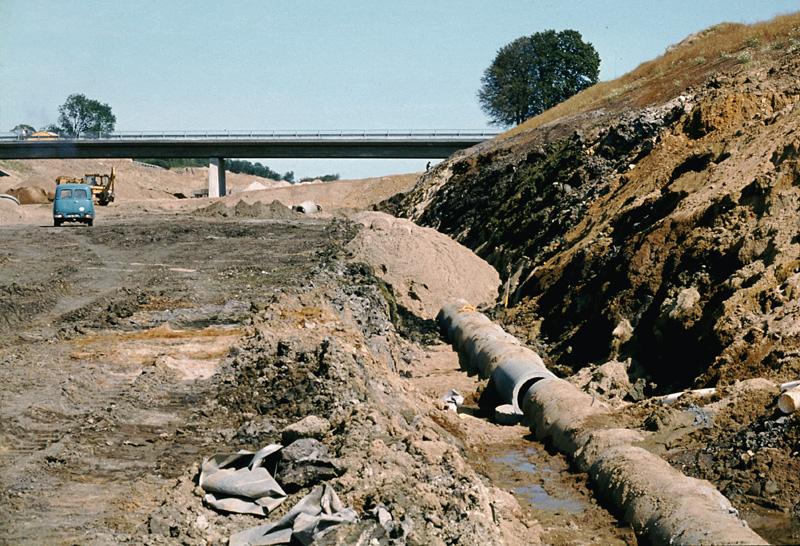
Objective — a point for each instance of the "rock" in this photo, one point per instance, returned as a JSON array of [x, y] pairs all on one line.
[[431, 452], [367, 532], [305, 463], [621, 334], [309, 427], [636, 392], [257, 432], [771, 488], [755, 489], [305, 448], [609, 380], [166, 521], [685, 303]]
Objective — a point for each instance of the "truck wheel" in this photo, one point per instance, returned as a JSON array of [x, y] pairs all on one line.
[[89, 222], [57, 222]]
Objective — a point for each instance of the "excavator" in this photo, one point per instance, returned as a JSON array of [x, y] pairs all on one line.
[[102, 185]]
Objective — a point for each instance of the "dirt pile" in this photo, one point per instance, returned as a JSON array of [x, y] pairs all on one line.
[[392, 454], [661, 229], [274, 210], [10, 212], [336, 195], [116, 394], [423, 267], [31, 195]]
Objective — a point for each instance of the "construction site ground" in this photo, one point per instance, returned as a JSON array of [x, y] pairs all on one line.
[[122, 357]]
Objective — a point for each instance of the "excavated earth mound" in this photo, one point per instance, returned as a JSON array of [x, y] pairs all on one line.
[[661, 229], [30, 195], [275, 210], [423, 267]]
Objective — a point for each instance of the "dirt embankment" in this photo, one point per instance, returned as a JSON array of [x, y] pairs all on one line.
[[137, 182], [677, 222], [664, 236]]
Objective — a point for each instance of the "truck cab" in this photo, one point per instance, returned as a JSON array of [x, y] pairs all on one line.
[[73, 203]]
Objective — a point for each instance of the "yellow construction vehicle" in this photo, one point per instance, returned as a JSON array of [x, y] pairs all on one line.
[[68, 180], [102, 186]]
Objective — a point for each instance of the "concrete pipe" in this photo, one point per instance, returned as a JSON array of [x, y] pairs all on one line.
[[447, 313], [466, 327], [482, 335], [470, 332], [514, 376], [489, 352], [664, 504], [507, 415], [790, 385], [556, 410], [513, 369], [657, 500], [471, 317], [496, 357], [789, 400]]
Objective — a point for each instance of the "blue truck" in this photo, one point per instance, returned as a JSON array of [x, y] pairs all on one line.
[[73, 203]]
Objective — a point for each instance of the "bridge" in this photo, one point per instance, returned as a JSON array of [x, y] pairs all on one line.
[[245, 144]]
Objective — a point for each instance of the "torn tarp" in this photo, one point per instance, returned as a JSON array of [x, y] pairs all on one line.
[[313, 515], [241, 482]]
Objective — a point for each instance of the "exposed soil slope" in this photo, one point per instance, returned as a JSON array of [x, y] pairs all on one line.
[[658, 225], [678, 219]]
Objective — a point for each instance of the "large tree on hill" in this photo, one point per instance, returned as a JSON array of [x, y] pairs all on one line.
[[81, 116], [534, 73]]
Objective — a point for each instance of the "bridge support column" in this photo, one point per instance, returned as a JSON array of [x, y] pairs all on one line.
[[216, 177]]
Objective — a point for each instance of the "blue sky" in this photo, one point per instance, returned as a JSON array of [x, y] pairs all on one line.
[[310, 64]]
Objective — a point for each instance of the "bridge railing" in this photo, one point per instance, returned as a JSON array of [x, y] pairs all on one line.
[[446, 134]]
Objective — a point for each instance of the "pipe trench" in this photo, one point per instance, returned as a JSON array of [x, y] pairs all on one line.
[[656, 499]]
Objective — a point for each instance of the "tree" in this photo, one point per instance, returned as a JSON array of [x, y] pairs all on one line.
[[534, 73], [23, 130], [81, 116]]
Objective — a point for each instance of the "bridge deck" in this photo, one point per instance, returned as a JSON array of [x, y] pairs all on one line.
[[301, 144]]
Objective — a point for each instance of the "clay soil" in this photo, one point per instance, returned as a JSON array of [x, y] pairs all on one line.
[[131, 350]]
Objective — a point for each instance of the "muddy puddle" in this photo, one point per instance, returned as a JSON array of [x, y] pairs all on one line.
[[529, 479], [551, 493], [773, 526]]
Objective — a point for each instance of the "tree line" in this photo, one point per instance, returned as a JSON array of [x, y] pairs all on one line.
[[241, 166], [231, 165]]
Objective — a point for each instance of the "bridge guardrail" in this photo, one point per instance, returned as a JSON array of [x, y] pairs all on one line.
[[262, 135]]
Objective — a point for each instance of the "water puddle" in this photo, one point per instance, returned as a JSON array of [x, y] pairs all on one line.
[[527, 478], [773, 526]]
